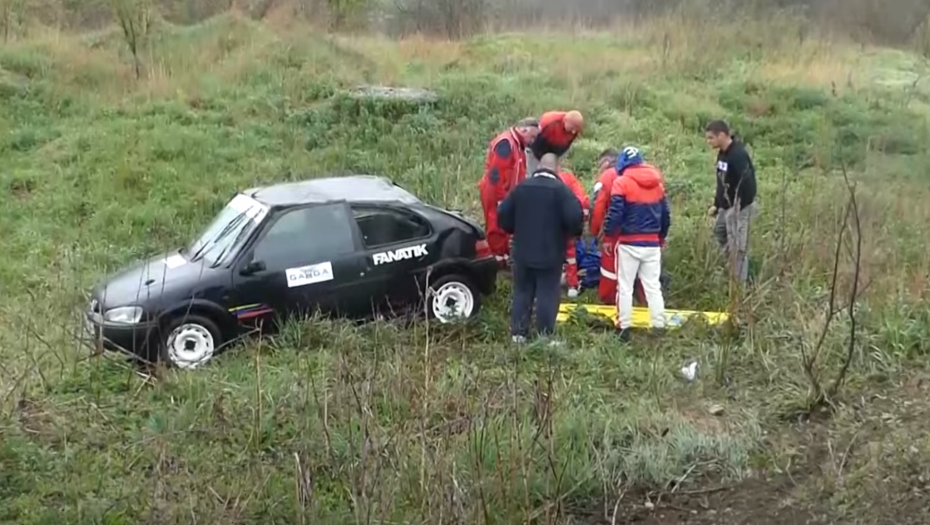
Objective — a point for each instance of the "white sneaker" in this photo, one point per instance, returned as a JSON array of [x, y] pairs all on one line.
[[518, 339], [572, 293]]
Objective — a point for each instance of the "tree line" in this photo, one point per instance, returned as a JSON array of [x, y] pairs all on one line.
[[899, 23]]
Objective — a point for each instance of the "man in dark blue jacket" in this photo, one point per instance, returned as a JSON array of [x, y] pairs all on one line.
[[541, 213]]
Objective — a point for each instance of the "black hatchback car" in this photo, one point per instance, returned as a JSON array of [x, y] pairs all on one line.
[[352, 246]]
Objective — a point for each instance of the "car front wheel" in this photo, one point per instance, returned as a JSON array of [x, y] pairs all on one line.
[[452, 298], [190, 341]]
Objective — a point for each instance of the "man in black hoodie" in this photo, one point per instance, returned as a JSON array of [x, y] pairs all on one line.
[[541, 213], [735, 199]]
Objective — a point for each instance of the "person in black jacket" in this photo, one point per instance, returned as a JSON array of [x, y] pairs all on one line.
[[735, 199], [541, 213]]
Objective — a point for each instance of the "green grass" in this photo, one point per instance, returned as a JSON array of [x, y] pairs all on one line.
[[437, 424]]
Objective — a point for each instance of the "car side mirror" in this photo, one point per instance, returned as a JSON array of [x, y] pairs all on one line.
[[252, 267]]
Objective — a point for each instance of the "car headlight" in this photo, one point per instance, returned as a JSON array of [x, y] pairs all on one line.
[[123, 315]]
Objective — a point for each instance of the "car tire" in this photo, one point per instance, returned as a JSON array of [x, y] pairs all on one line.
[[456, 288], [189, 341]]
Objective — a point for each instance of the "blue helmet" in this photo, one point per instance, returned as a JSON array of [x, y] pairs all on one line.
[[629, 156]]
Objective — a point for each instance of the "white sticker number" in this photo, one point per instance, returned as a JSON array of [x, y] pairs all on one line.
[[629, 152], [249, 206], [175, 261], [315, 273]]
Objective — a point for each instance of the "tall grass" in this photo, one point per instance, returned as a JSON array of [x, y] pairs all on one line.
[[438, 424]]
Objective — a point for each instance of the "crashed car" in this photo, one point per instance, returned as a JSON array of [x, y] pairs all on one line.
[[357, 246]]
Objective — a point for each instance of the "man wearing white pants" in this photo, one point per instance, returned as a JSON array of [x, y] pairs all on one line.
[[639, 218], [644, 262]]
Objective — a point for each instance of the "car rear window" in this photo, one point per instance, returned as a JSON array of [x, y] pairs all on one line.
[[383, 227]]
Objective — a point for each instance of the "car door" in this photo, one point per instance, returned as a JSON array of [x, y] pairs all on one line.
[[397, 243], [305, 259]]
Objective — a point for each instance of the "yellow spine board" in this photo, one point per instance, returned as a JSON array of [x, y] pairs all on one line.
[[674, 318]]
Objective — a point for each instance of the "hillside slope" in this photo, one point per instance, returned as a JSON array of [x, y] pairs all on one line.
[[334, 422]]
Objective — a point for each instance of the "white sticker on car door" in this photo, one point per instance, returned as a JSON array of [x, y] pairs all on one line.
[[315, 273], [400, 254]]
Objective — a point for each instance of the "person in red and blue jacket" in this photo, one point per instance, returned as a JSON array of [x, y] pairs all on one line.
[[638, 218]]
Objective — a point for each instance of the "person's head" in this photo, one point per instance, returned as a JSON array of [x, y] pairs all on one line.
[[717, 134], [606, 159], [527, 128], [629, 156], [574, 122], [549, 161]]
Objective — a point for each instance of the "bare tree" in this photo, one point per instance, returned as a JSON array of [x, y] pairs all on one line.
[[453, 19], [850, 229], [134, 19], [12, 13]]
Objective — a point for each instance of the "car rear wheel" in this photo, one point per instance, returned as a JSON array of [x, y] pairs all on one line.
[[453, 298], [190, 341]]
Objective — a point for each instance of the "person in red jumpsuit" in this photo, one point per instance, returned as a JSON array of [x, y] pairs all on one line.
[[557, 131], [607, 284], [504, 167], [571, 263]]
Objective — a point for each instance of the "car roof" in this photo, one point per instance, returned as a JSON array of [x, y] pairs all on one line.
[[351, 188]]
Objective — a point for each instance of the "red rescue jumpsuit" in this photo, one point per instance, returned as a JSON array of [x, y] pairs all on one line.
[[504, 167], [552, 137], [571, 266], [607, 284]]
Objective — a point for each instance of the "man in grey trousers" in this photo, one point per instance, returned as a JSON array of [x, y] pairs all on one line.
[[735, 199]]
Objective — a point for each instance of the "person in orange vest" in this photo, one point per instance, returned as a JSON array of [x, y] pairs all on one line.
[[504, 168], [571, 263], [639, 218], [557, 131], [607, 284]]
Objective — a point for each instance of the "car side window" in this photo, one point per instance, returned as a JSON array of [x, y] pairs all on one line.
[[306, 236], [384, 226]]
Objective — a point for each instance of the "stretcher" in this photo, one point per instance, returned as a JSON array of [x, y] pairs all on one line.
[[674, 318]]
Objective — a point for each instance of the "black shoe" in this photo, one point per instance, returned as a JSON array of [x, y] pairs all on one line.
[[623, 334]]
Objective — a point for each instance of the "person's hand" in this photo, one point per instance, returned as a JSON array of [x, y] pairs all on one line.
[[712, 211]]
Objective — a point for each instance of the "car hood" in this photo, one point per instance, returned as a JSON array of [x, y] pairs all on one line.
[[153, 278]]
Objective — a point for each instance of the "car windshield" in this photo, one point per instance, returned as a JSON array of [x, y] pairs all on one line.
[[227, 231]]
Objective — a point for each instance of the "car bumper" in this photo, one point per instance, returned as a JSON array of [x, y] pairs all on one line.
[[127, 339], [485, 274]]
